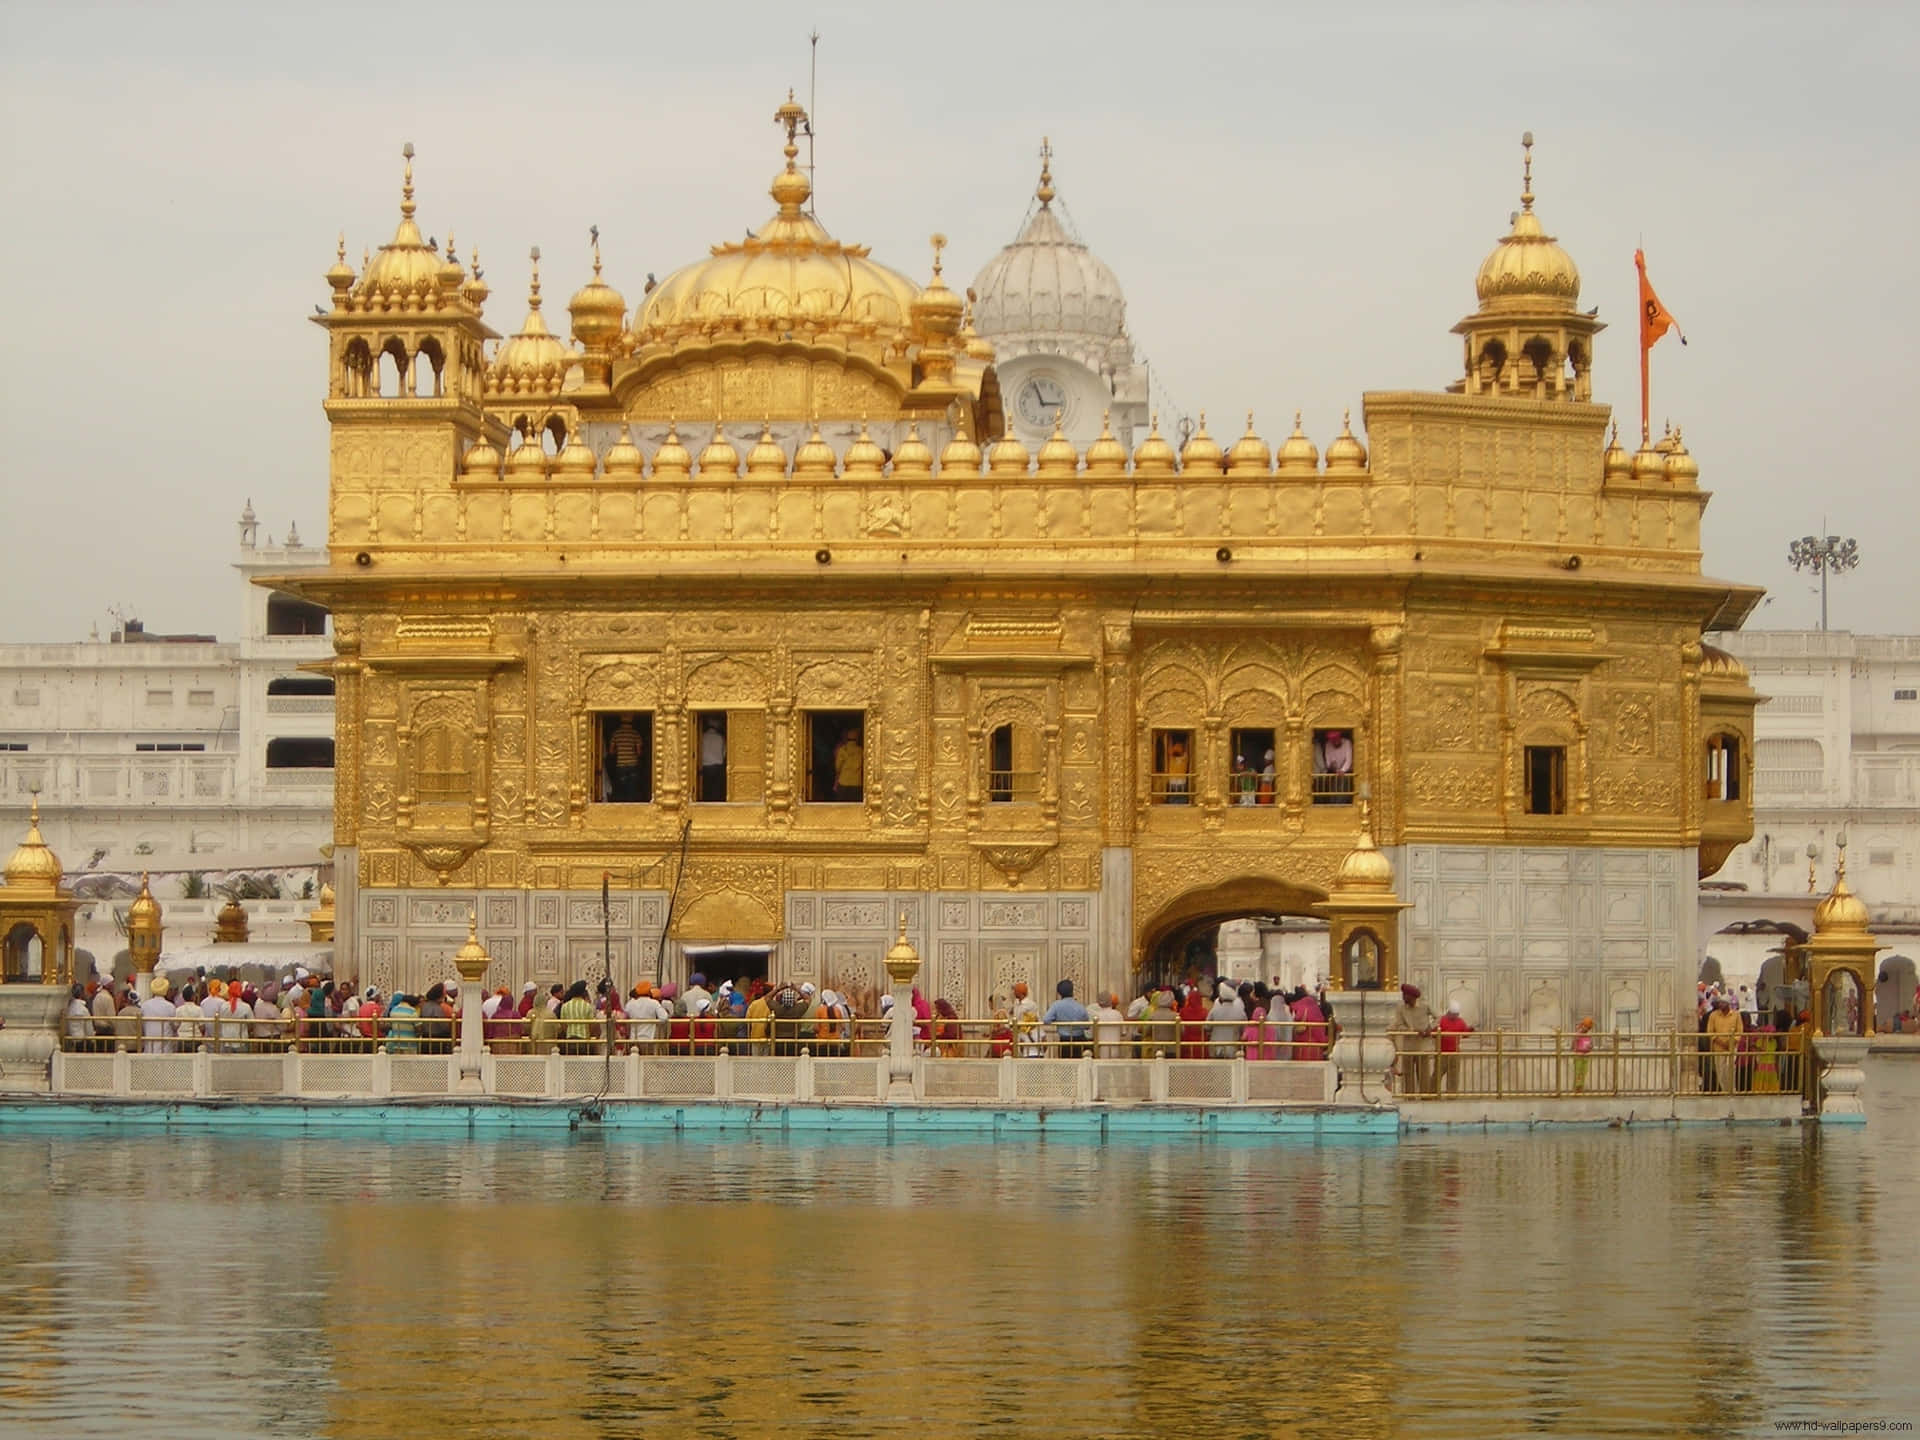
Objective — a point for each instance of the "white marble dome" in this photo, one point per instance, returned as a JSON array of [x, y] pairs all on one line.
[[1048, 283]]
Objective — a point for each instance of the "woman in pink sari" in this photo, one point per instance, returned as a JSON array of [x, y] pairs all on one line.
[[1260, 1041], [1310, 1028]]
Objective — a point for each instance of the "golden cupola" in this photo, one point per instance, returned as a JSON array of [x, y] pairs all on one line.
[[1201, 454], [1153, 458], [1528, 340], [787, 278], [33, 869], [405, 273], [1682, 468], [598, 311], [1249, 455], [1298, 455], [532, 361], [1346, 455]]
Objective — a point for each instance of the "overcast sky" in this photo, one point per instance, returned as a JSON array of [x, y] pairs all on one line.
[[1295, 199]]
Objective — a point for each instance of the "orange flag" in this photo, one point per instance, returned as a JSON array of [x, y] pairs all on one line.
[[1655, 321]]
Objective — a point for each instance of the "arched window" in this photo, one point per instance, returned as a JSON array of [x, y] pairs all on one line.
[[25, 954], [1493, 360], [553, 435], [300, 752], [301, 685], [356, 370], [1539, 353], [393, 366], [1360, 961], [429, 366]]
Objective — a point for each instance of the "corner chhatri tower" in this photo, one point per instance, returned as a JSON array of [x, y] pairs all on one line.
[[730, 568]]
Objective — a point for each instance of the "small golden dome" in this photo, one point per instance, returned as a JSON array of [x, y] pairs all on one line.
[[471, 960], [1008, 459], [143, 916], [1616, 464], [1154, 457], [1299, 455], [230, 925], [913, 460], [814, 459], [476, 290], [1718, 664], [529, 460], [959, 458], [1346, 455], [1527, 269], [405, 273], [534, 359], [1649, 465], [1202, 453], [34, 868], [1842, 912], [326, 894], [1249, 455], [864, 460], [1365, 867], [719, 460], [936, 309], [766, 460], [1682, 468], [481, 459], [451, 275], [622, 457], [1058, 458], [598, 310], [671, 461], [1106, 456], [340, 273], [576, 460]]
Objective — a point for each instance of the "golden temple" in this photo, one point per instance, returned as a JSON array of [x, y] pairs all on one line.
[[721, 596]]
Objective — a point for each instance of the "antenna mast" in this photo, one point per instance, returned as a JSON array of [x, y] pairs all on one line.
[[813, 89]]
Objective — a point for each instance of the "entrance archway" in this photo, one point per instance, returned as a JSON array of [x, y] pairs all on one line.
[[1178, 940]]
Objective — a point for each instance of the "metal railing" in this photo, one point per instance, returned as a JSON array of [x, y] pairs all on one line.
[[1502, 1065]]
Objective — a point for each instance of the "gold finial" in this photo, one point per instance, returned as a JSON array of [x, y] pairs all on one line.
[[1045, 191], [33, 815], [533, 286], [450, 255], [1154, 426], [1840, 862], [903, 928], [365, 256], [406, 182], [1526, 171], [1250, 422], [593, 232], [340, 250], [1813, 875], [939, 244], [793, 115]]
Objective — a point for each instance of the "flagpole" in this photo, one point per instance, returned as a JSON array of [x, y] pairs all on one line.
[[1646, 422]]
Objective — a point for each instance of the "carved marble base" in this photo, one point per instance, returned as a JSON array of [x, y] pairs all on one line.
[[1364, 1052], [31, 1033], [1843, 1077]]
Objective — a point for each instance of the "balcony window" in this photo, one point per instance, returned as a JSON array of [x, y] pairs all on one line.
[[1546, 776]]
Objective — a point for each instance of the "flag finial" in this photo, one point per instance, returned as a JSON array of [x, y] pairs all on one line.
[[1526, 171]]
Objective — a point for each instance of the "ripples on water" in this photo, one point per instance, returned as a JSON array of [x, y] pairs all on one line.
[[1655, 1282]]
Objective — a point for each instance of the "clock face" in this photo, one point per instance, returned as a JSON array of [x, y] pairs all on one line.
[[1039, 399]]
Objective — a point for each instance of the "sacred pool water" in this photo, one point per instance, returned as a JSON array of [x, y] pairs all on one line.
[[1656, 1282]]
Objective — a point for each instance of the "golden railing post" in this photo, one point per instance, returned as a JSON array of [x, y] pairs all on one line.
[[1559, 1066], [1615, 1088], [1499, 1064]]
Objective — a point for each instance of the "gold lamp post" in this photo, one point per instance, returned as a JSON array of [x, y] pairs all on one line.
[[471, 961], [903, 963], [144, 936]]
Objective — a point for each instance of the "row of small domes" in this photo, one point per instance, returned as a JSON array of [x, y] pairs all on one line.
[[815, 457], [1665, 459]]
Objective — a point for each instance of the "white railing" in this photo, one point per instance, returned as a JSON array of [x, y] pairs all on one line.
[[300, 704], [801, 1079], [302, 779]]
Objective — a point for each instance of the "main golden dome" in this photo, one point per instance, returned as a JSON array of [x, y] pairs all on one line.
[[788, 276]]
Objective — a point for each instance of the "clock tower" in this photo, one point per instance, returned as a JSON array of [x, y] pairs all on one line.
[[1058, 324]]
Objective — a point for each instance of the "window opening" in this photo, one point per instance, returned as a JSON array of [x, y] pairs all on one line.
[[1250, 771], [625, 747], [301, 685], [1172, 780], [710, 755], [1333, 761], [836, 756], [1546, 779], [303, 752], [1723, 767]]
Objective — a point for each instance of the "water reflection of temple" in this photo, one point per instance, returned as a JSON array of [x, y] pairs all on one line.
[[732, 567]]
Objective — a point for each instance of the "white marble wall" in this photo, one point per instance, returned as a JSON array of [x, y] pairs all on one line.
[[1534, 938]]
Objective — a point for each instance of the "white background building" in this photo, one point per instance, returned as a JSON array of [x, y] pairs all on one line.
[[178, 753]]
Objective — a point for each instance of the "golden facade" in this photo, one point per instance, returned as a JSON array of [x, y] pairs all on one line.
[[758, 500]]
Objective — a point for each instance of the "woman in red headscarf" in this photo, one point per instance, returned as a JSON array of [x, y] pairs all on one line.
[[1193, 1028]]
